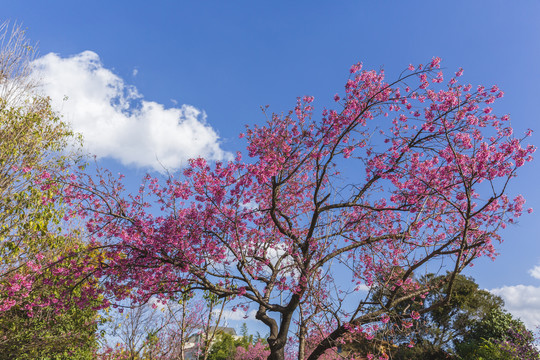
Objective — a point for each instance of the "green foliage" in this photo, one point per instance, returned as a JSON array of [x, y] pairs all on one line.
[[49, 332], [482, 350], [32, 139], [466, 323], [421, 351], [36, 149], [493, 326], [47, 335], [467, 303], [497, 336], [224, 348], [35, 154], [54, 321]]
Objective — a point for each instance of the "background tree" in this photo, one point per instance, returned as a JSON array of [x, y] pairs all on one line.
[[225, 345], [472, 324], [186, 318], [467, 304], [440, 328], [407, 174], [39, 316], [179, 328], [498, 336], [36, 147], [17, 85], [134, 328]]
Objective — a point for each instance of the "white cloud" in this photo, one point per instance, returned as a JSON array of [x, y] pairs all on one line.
[[156, 303], [276, 252], [117, 122], [522, 301], [535, 272]]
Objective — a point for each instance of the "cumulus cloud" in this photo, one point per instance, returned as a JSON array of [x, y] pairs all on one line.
[[522, 301], [117, 122]]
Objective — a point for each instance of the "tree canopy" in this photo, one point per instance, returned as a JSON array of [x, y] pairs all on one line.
[[472, 324], [400, 176], [38, 316]]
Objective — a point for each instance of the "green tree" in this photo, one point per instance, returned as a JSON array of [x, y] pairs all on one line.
[[449, 315], [498, 336], [450, 322], [224, 348], [36, 153]]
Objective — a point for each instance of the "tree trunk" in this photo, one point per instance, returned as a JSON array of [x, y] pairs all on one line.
[[302, 342], [327, 343], [277, 353], [278, 335]]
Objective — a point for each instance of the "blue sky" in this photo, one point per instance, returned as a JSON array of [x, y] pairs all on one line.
[[213, 63]]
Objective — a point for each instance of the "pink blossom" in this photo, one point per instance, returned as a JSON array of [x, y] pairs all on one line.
[[435, 62], [407, 324], [273, 226]]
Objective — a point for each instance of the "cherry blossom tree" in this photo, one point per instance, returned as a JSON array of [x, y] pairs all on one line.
[[398, 178]]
